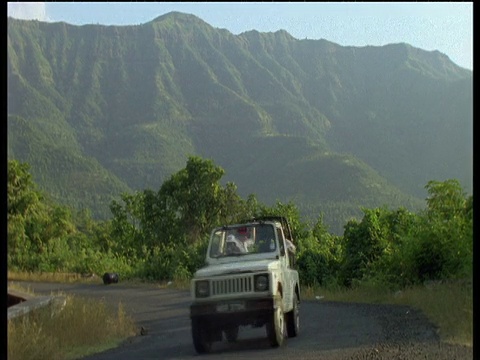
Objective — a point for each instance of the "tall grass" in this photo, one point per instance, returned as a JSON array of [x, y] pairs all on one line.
[[448, 305], [81, 328], [52, 277]]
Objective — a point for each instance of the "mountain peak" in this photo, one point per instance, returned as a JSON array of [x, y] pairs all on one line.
[[177, 16]]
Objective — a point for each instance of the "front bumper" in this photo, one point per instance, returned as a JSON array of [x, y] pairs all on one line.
[[240, 312]]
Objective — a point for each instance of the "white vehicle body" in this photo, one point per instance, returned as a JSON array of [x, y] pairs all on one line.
[[250, 279]]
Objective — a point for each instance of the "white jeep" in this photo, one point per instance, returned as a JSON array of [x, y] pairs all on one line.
[[249, 279]]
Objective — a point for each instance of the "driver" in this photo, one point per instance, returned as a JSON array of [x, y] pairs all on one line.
[[234, 245], [242, 243]]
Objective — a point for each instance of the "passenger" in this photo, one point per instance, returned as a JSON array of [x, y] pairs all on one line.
[[244, 239], [246, 243], [290, 246]]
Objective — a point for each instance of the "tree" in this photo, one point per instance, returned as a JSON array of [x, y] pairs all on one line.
[[38, 230], [192, 198], [24, 210], [444, 241], [126, 224], [446, 199], [318, 255], [23, 198], [364, 242]]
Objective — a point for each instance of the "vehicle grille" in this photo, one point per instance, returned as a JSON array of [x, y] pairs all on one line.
[[232, 285]]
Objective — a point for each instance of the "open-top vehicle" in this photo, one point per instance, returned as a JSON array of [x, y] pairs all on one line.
[[250, 279]]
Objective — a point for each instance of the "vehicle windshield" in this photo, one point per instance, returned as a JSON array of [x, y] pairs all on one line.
[[243, 240]]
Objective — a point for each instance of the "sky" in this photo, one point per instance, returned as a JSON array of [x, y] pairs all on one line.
[[443, 26]]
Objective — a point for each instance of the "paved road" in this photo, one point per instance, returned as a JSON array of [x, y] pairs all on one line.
[[328, 330]]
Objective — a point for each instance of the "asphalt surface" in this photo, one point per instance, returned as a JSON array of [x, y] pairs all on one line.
[[328, 330]]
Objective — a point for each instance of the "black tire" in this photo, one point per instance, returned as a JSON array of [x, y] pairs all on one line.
[[231, 333], [107, 278], [276, 329], [293, 319], [201, 338]]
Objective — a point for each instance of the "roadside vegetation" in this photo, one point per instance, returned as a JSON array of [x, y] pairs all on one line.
[[448, 305], [80, 328], [423, 259]]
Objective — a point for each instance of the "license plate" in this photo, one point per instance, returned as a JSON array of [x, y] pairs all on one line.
[[231, 307]]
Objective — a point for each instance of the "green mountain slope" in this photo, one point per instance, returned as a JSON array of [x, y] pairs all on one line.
[[330, 127], [63, 172]]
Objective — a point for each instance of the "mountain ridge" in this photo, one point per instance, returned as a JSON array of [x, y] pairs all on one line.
[[139, 99]]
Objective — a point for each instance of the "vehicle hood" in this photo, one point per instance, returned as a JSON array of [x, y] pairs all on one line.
[[238, 268]]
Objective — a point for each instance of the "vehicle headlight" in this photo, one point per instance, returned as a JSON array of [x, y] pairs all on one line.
[[202, 289], [261, 282]]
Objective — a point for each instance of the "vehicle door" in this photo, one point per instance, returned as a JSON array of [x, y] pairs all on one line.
[[286, 271]]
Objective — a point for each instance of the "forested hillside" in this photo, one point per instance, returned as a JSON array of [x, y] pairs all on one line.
[[163, 235], [102, 110]]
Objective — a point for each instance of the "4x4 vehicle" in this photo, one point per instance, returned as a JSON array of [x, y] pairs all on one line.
[[249, 280]]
